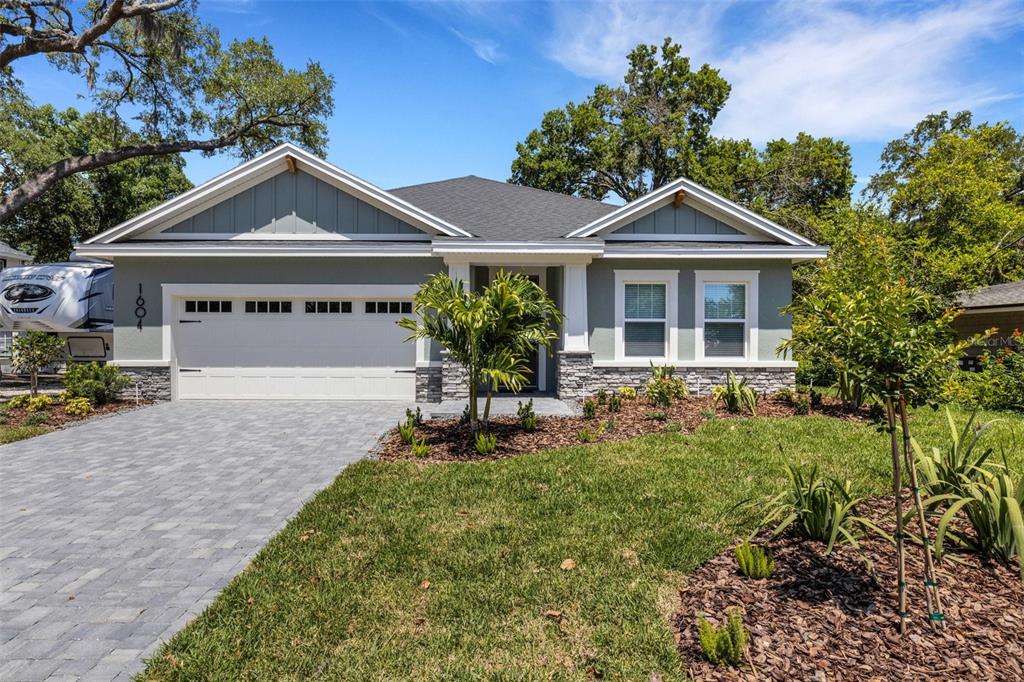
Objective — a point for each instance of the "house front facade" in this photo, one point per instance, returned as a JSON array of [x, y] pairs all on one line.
[[284, 279]]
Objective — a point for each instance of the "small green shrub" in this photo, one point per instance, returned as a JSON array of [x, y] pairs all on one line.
[[615, 403], [602, 397], [726, 644], [101, 384], [658, 415], [664, 387], [586, 436], [627, 393], [464, 417], [527, 417], [19, 401], [407, 431], [708, 414], [486, 443], [609, 425], [801, 404], [735, 395], [997, 383], [529, 423], [78, 407], [36, 419], [784, 394], [39, 403], [674, 427], [416, 418], [753, 561], [589, 409], [420, 448]]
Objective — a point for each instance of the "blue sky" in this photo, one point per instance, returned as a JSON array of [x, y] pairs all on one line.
[[430, 90]]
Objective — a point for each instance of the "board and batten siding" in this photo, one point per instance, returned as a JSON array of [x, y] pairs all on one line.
[[135, 277], [775, 290], [671, 220], [293, 203]]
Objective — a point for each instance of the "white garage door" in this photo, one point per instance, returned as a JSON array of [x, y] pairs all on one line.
[[308, 348]]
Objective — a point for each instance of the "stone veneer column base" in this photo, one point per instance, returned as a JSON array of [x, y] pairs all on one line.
[[154, 383], [428, 384], [575, 373], [453, 379]]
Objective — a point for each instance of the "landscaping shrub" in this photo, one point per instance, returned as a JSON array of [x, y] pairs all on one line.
[[753, 561], [785, 395], [609, 425], [78, 407], [726, 644], [664, 387], [32, 351], [615, 403], [35, 419], [942, 469], [735, 395], [420, 448], [486, 443], [602, 397], [850, 390], [407, 431], [816, 508], [999, 382], [627, 393], [589, 409], [415, 418], [38, 403], [19, 401], [585, 436], [527, 417], [801, 403], [658, 416], [101, 384]]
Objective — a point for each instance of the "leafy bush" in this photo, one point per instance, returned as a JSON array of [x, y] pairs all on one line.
[[850, 390], [627, 393], [801, 403], [38, 403], [785, 395], [19, 401], [420, 448], [726, 644], [589, 409], [101, 384], [753, 561], [416, 418], [997, 385], [35, 419], [658, 415], [816, 508], [615, 403], [78, 407], [527, 417], [735, 395], [586, 436], [994, 506], [674, 427], [486, 443], [664, 387], [602, 397], [32, 351], [407, 431], [942, 469]]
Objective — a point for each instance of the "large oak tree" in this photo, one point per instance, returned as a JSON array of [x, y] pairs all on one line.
[[164, 80]]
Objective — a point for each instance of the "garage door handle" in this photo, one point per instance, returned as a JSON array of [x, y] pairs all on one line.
[[189, 321], [184, 369]]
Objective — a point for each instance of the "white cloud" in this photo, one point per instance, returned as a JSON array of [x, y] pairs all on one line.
[[484, 48], [805, 67]]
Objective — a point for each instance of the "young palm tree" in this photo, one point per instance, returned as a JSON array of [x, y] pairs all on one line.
[[489, 333]]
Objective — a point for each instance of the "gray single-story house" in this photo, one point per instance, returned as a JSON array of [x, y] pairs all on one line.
[[284, 277]]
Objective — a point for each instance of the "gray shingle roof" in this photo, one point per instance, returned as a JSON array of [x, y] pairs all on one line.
[[1011, 293], [499, 210]]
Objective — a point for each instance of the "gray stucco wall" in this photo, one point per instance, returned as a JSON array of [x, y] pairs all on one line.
[[293, 203], [671, 220], [775, 287], [131, 343]]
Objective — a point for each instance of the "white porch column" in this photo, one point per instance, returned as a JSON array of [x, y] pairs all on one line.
[[575, 330], [459, 270]]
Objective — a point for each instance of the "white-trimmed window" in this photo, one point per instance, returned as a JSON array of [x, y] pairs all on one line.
[[726, 314], [645, 311]]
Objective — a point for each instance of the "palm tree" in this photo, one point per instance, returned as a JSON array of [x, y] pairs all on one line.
[[490, 333]]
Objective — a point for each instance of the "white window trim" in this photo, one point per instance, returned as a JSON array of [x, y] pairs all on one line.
[[670, 278], [747, 277]]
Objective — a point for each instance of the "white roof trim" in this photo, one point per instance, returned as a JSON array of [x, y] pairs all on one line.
[[702, 195], [260, 165], [340, 249], [562, 246], [794, 253]]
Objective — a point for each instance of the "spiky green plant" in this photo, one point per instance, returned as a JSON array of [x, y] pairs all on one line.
[[993, 503], [725, 644], [420, 448], [407, 431], [589, 409], [735, 395], [415, 417], [753, 561], [942, 469], [486, 443], [615, 403]]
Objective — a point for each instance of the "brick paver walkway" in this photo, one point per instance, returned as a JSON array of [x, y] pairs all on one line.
[[115, 533]]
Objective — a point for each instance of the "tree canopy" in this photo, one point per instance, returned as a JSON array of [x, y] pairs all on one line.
[[163, 80]]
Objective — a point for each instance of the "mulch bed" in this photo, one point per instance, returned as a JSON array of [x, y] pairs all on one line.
[[824, 617], [57, 418], [451, 441]]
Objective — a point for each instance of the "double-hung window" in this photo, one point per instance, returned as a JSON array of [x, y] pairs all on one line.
[[645, 305], [726, 312]]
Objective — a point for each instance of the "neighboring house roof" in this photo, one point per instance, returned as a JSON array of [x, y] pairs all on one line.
[[8, 251], [499, 210], [996, 296]]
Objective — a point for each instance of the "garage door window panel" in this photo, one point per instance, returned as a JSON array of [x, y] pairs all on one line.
[[206, 306], [269, 307]]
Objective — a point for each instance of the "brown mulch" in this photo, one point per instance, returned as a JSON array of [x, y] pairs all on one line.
[[451, 441], [57, 418], [825, 617]]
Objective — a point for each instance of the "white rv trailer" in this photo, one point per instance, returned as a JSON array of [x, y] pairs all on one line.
[[74, 300]]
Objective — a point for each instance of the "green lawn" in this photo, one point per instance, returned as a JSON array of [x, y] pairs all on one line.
[[340, 592], [10, 434]]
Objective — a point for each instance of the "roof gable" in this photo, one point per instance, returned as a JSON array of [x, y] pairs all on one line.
[[680, 194], [173, 213]]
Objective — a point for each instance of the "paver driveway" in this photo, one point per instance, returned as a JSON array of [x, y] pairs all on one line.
[[115, 533]]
